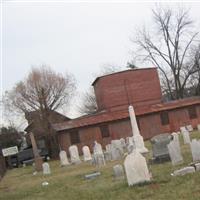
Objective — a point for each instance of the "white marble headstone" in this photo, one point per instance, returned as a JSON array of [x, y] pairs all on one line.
[[46, 168], [137, 138], [189, 128], [195, 148], [198, 127], [63, 158], [86, 154], [136, 168], [186, 135], [175, 150], [74, 155]]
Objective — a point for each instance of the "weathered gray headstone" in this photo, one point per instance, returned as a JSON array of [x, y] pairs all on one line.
[[108, 153], [136, 168], [118, 171], [86, 154], [46, 168], [195, 149], [186, 135], [74, 156], [98, 155], [63, 158], [175, 150], [159, 147], [183, 171]]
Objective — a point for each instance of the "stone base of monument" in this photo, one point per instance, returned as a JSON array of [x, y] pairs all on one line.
[[139, 144], [38, 163]]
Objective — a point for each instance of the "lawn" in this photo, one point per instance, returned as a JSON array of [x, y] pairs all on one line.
[[69, 183]]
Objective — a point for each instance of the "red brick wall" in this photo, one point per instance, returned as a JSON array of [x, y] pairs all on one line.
[[150, 125], [132, 86]]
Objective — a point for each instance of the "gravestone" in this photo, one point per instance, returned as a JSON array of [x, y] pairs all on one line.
[[195, 149], [116, 154], [98, 155], [74, 156], [108, 153], [189, 128], [183, 171], [86, 154], [197, 166], [159, 147], [63, 158], [136, 168], [130, 144], [46, 168], [198, 127], [175, 150], [118, 172], [137, 138], [123, 143], [186, 135]]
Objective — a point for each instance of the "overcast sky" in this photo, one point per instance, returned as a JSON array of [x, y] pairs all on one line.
[[76, 37]]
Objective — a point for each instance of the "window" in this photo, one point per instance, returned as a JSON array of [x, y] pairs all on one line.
[[74, 137], [164, 118], [192, 112], [104, 131]]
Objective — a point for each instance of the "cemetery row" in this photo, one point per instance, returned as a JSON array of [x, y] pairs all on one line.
[[135, 165]]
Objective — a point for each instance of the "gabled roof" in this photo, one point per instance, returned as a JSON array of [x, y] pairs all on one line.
[[107, 116], [124, 71]]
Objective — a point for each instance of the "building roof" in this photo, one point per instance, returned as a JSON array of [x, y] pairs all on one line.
[[108, 116], [124, 71]]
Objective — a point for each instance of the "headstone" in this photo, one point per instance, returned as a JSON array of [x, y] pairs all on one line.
[[123, 143], [63, 158], [197, 166], [175, 150], [189, 128], [186, 136], [195, 149], [108, 153], [159, 147], [137, 138], [74, 156], [118, 172], [130, 144], [136, 168], [93, 175], [198, 127], [46, 168], [37, 158], [86, 154], [183, 171], [98, 155], [118, 145]]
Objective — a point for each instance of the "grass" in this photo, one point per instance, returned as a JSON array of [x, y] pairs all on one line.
[[68, 182]]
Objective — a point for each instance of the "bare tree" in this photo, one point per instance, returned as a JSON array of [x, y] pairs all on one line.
[[167, 46], [43, 91], [89, 104], [88, 101]]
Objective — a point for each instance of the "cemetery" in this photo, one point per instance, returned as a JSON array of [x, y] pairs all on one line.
[[125, 169]]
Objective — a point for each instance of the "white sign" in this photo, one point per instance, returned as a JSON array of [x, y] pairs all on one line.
[[10, 151]]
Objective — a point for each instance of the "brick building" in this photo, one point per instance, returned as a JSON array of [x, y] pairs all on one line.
[[114, 93], [35, 126]]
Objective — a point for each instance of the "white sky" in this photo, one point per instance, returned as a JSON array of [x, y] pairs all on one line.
[[75, 37]]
